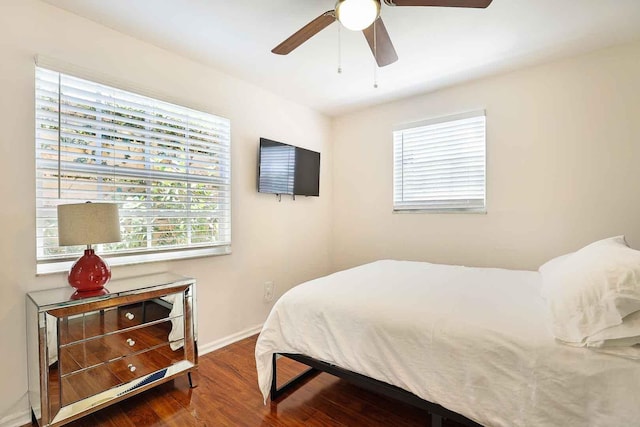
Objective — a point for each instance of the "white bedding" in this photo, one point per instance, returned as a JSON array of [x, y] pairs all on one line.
[[472, 340]]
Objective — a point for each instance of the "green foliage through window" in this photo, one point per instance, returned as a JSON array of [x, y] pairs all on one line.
[[167, 167]]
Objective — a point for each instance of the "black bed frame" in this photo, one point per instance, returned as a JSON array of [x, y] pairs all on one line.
[[316, 366]]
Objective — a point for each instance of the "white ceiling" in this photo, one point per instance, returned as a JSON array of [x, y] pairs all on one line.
[[436, 46]]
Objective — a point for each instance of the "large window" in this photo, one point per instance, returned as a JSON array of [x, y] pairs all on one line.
[[439, 164], [166, 166]]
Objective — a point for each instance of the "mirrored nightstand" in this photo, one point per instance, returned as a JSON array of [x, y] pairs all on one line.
[[85, 354]]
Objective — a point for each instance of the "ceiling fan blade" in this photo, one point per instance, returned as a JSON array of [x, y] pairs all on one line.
[[305, 33], [441, 3], [380, 43]]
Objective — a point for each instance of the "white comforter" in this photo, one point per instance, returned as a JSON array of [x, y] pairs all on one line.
[[474, 340]]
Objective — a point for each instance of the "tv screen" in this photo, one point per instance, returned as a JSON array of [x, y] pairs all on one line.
[[307, 173], [286, 169]]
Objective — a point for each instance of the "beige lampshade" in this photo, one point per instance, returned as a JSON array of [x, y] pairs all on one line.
[[88, 223]]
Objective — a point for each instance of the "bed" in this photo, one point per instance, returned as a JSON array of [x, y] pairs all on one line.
[[475, 341]]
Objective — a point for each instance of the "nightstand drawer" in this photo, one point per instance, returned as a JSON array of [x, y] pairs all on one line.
[[84, 326], [139, 365], [82, 384], [105, 348]]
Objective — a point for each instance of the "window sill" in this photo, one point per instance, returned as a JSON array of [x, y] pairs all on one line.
[[113, 261], [482, 211]]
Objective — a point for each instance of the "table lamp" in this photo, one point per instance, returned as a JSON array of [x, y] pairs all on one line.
[[87, 224]]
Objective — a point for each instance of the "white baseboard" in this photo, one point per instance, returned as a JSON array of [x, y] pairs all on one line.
[[230, 339], [18, 419]]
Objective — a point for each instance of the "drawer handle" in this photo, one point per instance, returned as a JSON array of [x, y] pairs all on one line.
[[129, 316], [131, 342], [131, 367]]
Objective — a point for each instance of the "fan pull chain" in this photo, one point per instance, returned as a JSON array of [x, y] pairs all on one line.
[[339, 51], [375, 55]]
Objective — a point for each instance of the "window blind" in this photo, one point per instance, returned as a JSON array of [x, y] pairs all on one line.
[[440, 164], [166, 166]]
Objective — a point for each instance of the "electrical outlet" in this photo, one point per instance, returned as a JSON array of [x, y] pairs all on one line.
[[269, 291]]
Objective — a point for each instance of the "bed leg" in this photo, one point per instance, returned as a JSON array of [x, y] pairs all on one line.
[[436, 420], [274, 382], [292, 384]]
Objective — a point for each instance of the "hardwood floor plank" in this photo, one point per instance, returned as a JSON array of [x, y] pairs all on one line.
[[170, 411], [228, 395]]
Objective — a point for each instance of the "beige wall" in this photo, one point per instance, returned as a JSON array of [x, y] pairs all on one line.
[[271, 240], [563, 150]]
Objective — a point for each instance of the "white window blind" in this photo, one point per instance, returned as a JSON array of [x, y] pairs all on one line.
[[166, 166], [440, 164]]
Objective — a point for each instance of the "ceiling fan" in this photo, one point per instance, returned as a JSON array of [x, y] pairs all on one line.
[[364, 15]]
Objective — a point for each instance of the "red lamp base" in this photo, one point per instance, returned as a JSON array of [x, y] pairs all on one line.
[[88, 294], [89, 273]]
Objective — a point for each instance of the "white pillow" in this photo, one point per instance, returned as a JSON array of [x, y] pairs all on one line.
[[550, 268], [592, 289], [623, 335]]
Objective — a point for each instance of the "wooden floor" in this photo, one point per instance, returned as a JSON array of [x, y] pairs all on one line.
[[227, 395]]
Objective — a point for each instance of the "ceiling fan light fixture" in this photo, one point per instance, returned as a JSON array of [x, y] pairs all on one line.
[[356, 15]]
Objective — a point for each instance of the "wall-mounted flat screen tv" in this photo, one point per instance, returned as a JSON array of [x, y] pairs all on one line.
[[286, 169]]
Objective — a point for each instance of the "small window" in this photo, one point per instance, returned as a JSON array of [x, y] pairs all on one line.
[[439, 164], [166, 166]]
